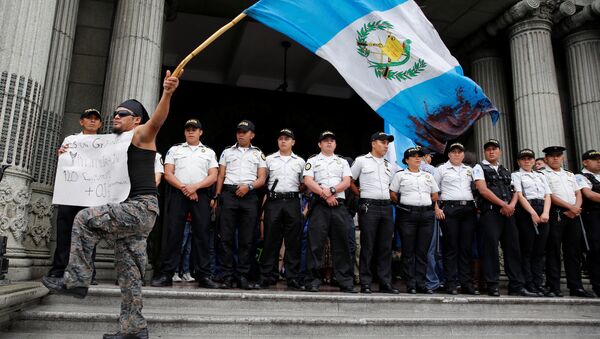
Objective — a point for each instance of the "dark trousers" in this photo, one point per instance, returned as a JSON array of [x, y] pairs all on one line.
[[591, 221], [376, 231], [565, 234], [283, 220], [179, 207], [416, 229], [329, 222], [64, 225], [497, 228], [459, 230], [533, 246], [237, 214]]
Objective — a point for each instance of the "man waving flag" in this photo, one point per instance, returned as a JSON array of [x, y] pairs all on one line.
[[391, 55]]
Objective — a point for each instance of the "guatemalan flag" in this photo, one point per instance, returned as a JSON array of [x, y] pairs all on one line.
[[391, 55]]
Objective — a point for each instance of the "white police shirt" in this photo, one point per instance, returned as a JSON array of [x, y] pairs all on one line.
[[158, 164], [454, 181], [287, 170], [533, 185], [191, 162], [327, 171], [562, 184], [415, 189], [375, 175], [242, 164], [584, 182]]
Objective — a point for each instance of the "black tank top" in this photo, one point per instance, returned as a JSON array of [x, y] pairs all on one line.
[[140, 165]]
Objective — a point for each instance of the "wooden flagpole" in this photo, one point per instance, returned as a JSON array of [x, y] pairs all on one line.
[[179, 69]]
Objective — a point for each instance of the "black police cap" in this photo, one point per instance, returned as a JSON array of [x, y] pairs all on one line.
[[526, 153], [591, 154], [382, 136], [554, 150], [326, 134], [246, 125], [412, 152], [287, 132], [90, 111], [491, 142], [194, 123]]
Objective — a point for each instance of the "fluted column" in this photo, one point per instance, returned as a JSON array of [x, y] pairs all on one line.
[[49, 129], [538, 116], [25, 36], [583, 68], [487, 69], [135, 56], [133, 73]]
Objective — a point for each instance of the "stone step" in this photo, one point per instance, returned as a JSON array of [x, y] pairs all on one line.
[[331, 302], [193, 312]]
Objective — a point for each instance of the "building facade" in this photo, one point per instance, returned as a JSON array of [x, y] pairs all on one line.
[[538, 61]]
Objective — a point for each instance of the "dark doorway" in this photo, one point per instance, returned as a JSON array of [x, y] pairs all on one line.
[[220, 108]]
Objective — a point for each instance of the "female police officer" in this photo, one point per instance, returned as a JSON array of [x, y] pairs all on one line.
[[532, 214], [415, 192]]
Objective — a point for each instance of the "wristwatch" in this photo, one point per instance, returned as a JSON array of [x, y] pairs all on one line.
[[250, 187], [332, 189]]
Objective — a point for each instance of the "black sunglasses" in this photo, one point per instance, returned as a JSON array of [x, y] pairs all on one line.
[[122, 114]]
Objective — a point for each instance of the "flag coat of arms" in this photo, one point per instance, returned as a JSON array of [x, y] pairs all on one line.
[[391, 55]]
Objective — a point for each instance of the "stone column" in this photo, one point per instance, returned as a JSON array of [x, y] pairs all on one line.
[[539, 121], [133, 73], [48, 132], [25, 36], [135, 56], [583, 68], [487, 69]]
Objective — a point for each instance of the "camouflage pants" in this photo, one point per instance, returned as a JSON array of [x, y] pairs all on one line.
[[128, 225]]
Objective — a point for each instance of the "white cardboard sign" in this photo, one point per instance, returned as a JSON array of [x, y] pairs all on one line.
[[93, 171]]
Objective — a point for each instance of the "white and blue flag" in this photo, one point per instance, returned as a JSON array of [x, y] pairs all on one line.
[[391, 55]]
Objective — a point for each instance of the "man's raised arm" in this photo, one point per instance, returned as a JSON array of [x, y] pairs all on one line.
[[149, 130]]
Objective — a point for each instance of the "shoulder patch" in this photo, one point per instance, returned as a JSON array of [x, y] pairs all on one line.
[[262, 156], [308, 166]]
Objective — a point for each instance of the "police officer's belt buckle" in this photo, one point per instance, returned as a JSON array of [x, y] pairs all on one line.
[[375, 202], [283, 195], [409, 208], [458, 202]]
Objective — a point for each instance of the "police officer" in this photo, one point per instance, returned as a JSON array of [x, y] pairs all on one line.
[[191, 169], [565, 228], [375, 219], [282, 215], [90, 122], [327, 175], [497, 205], [458, 219], [242, 170], [531, 215], [415, 192], [589, 180]]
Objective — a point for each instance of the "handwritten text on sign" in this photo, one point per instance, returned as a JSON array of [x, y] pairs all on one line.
[[93, 171]]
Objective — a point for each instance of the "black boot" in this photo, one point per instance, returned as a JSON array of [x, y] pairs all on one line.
[[57, 286], [162, 280]]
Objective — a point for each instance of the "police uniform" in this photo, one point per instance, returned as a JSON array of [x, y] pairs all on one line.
[[415, 219], [242, 165], [328, 221], [496, 227], [375, 220], [283, 218], [533, 238], [591, 219], [564, 232], [457, 203], [191, 165]]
